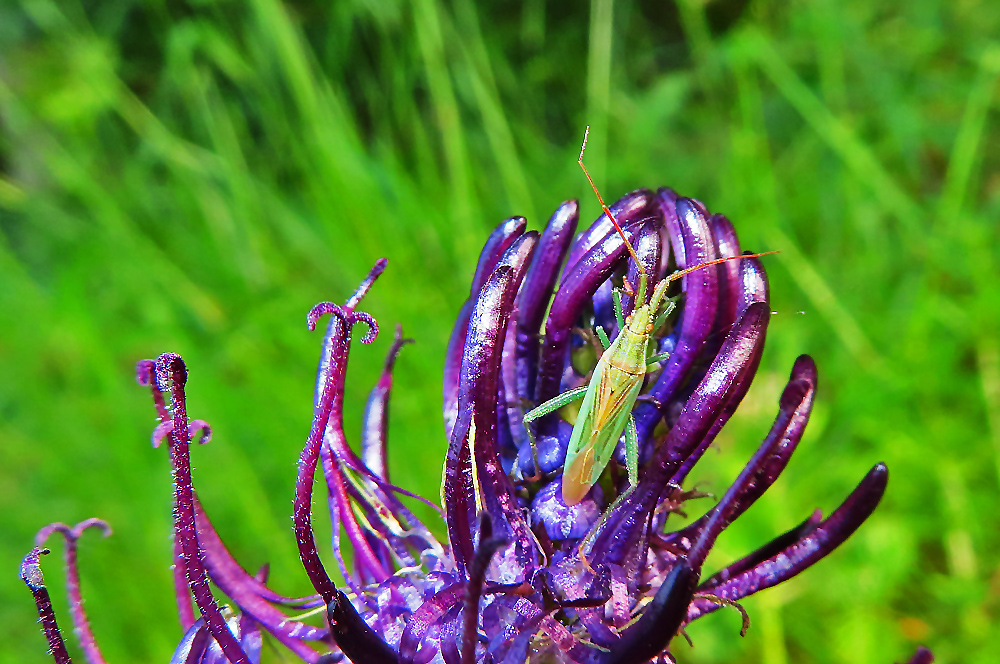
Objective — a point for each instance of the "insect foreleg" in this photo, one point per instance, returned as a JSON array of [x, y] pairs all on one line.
[[603, 336], [616, 297], [552, 405], [668, 308], [653, 361]]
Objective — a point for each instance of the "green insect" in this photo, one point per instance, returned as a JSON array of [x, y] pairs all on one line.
[[616, 381]]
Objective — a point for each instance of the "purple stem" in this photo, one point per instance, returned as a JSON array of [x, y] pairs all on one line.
[[496, 246], [367, 562], [536, 291], [170, 369], [376, 417], [488, 545], [81, 625], [182, 594], [348, 628], [487, 330], [366, 284], [765, 465], [771, 458], [144, 374], [244, 590], [31, 574], [224, 570], [329, 397], [477, 402]]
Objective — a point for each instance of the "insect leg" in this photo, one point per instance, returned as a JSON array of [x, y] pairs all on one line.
[[653, 360], [668, 308], [631, 454], [616, 297], [603, 336], [553, 404]]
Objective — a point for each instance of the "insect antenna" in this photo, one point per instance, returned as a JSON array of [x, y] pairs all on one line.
[[607, 211], [680, 273], [628, 245]]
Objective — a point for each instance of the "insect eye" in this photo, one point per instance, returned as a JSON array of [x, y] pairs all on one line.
[[649, 328], [628, 319]]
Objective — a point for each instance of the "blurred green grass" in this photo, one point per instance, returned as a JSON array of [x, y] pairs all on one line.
[[193, 176]]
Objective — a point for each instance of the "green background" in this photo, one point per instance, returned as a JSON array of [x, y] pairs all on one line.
[[194, 176]]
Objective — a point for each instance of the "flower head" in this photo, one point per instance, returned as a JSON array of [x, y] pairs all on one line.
[[521, 575]]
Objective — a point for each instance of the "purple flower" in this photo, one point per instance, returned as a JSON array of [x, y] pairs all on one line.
[[521, 575]]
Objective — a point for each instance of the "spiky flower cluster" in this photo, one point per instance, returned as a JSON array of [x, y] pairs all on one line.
[[522, 575]]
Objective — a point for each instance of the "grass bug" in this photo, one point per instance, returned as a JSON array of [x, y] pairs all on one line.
[[616, 380]]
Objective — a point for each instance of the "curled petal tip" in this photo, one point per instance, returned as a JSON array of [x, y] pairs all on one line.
[[194, 426], [161, 431], [45, 532], [358, 641], [71, 533], [330, 658], [875, 481], [361, 317], [319, 310], [93, 522], [170, 368], [661, 619], [144, 372]]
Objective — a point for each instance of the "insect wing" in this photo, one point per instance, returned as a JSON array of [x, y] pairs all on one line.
[[603, 416]]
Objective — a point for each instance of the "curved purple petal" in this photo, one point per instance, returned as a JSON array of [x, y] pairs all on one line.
[[652, 633], [376, 417], [700, 305], [536, 290], [193, 645], [476, 427], [630, 209], [358, 641], [170, 370], [806, 551], [629, 518]]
